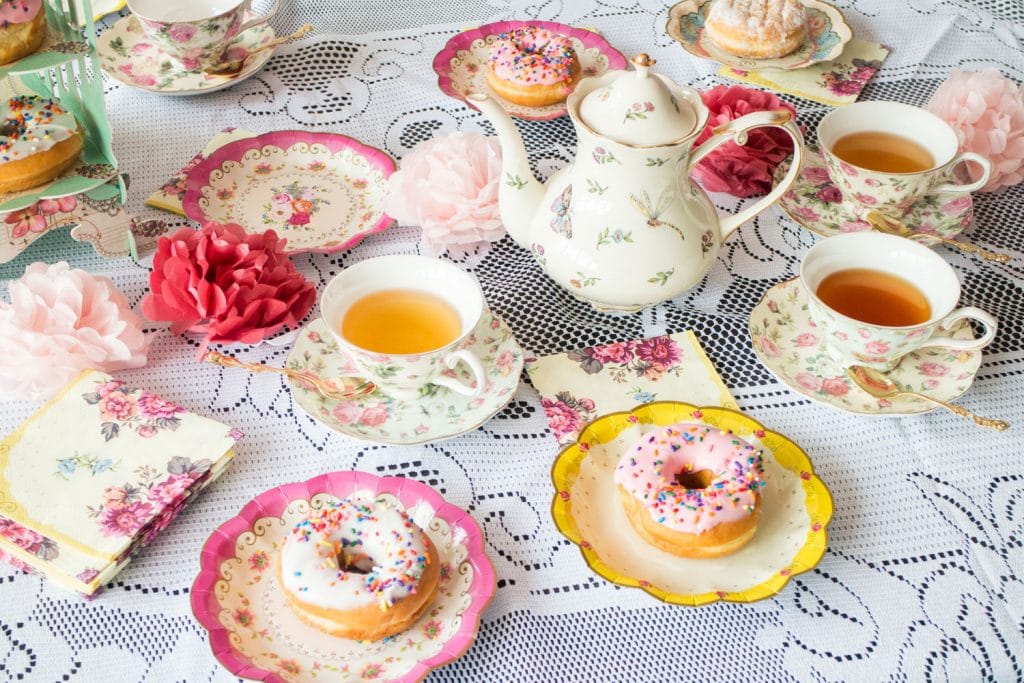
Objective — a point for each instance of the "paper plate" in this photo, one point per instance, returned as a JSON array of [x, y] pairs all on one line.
[[255, 634], [324, 192], [790, 538]]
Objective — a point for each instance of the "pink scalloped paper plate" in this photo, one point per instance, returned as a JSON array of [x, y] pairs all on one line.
[[255, 634], [324, 192], [460, 65]]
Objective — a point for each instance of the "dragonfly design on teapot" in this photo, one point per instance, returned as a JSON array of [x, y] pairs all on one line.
[[623, 226]]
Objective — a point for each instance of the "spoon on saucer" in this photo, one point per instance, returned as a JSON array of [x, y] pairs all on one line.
[[234, 66], [328, 388], [892, 226], [878, 385]]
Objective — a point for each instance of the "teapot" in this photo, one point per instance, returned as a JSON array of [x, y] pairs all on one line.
[[623, 226]]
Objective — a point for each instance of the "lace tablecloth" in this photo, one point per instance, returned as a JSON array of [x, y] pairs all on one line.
[[924, 576]]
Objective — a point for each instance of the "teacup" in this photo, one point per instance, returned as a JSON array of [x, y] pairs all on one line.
[[894, 193], [404, 376], [855, 342], [195, 32]]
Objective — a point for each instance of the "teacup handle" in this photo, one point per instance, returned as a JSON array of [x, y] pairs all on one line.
[[948, 325], [261, 19], [736, 131], [475, 367], [986, 167]]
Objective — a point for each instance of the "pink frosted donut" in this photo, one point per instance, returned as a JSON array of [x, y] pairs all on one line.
[[692, 490], [18, 11], [22, 28], [532, 66]]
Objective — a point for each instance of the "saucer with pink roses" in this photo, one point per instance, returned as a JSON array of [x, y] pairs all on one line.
[[793, 349], [814, 202]]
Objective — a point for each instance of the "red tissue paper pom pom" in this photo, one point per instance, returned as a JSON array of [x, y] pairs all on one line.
[[742, 170], [226, 284]]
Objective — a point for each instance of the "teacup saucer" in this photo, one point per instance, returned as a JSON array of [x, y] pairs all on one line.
[[815, 203], [128, 57], [793, 349], [827, 34], [437, 414]]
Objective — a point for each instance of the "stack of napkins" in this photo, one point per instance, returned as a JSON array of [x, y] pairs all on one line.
[[96, 473]]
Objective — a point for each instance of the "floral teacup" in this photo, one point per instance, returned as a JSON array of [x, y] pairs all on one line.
[[854, 342], [406, 377], [196, 32], [894, 193]]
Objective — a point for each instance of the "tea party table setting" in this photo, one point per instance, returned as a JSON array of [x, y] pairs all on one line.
[[232, 359]]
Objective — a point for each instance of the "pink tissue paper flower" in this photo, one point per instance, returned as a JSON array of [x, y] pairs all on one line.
[[60, 321], [742, 170], [987, 112], [449, 186]]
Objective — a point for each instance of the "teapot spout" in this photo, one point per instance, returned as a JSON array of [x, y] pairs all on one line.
[[520, 194]]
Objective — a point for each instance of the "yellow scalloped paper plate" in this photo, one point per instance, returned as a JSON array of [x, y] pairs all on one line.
[[789, 456]]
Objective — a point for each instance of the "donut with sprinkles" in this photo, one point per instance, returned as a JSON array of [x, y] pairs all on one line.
[[39, 140], [532, 66], [692, 490], [22, 28], [358, 568]]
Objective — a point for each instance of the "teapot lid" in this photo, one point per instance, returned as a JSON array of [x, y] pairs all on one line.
[[639, 108]]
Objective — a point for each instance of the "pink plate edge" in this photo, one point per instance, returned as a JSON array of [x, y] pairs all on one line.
[[197, 177], [409, 491], [462, 40]]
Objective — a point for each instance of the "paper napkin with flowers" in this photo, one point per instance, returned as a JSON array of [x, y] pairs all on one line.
[[833, 83], [96, 473], [579, 386]]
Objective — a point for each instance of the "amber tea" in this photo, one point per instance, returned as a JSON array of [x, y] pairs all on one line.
[[874, 297], [401, 321], [883, 152]]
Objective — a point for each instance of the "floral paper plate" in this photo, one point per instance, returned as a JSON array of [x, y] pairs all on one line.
[[128, 57], [794, 350], [827, 34], [790, 538], [437, 414], [324, 192], [814, 202], [255, 634], [461, 64]]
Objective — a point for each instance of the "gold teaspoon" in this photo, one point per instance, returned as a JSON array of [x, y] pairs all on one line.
[[891, 226], [232, 67], [880, 386], [328, 388]]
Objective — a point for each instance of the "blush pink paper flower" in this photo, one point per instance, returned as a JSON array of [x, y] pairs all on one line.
[[449, 187], [742, 170], [59, 322], [987, 112], [226, 284]]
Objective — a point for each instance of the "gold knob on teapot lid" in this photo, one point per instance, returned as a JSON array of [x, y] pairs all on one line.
[[643, 62]]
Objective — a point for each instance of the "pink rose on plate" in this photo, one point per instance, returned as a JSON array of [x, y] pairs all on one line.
[[768, 347], [563, 419], [816, 175], [619, 352], [146, 80], [181, 33], [20, 536], [865, 198], [153, 407], [834, 387], [281, 198], [854, 226], [374, 416], [346, 412], [829, 194], [877, 347], [171, 490], [661, 352], [958, 205], [933, 369], [930, 383], [504, 361], [125, 520], [809, 381], [806, 339], [299, 219], [147, 431], [117, 407], [807, 213]]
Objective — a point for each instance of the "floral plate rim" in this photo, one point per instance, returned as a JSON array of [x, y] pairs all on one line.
[[463, 39], [785, 63], [198, 177], [787, 454], [220, 546], [253, 63], [878, 413]]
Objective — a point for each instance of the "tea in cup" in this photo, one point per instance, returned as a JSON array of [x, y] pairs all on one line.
[[886, 156], [196, 32], [404, 321], [876, 298]]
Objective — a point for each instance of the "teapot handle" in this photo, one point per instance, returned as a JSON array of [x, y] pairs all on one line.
[[736, 131]]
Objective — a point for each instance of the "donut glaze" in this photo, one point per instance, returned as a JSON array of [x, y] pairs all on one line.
[[39, 140], [729, 471], [18, 11], [532, 56]]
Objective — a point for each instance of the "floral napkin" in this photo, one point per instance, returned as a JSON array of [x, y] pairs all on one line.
[[833, 83], [579, 386], [169, 196], [96, 473]]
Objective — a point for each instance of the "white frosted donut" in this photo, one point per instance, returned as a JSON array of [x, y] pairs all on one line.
[[39, 140]]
